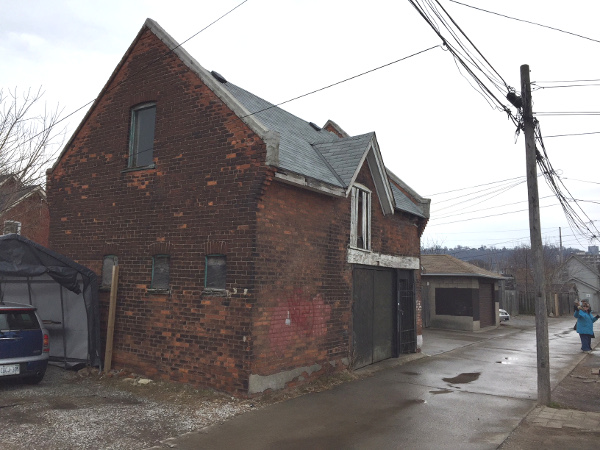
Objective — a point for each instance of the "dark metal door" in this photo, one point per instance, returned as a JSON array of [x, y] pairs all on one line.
[[374, 316], [407, 336], [363, 318]]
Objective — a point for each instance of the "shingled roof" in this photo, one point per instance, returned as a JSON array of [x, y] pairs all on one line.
[[304, 154], [446, 265]]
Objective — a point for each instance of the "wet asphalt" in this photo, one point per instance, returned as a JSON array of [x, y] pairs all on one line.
[[465, 390]]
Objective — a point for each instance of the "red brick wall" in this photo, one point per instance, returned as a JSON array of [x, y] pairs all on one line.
[[302, 245], [33, 214], [301, 269], [201, 196], [286, 247]]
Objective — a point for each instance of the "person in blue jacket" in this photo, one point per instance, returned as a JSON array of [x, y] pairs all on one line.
[[585, 324]]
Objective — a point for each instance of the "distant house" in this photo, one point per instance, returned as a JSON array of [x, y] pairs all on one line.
[[23, 210], [256, 250], [458, 295], [584, 274]]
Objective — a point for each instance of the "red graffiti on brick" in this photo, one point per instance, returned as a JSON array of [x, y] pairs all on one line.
[[298, 320]]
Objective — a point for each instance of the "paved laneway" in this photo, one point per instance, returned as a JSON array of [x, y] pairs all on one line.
[[465, 391]]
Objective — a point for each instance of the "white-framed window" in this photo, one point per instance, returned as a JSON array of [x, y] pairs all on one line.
[[160, 272], [360, 232], [108, 263], [141, 135], [12, 227]]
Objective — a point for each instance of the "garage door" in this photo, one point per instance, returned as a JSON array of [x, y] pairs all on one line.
[[374, 316], [487, 310]]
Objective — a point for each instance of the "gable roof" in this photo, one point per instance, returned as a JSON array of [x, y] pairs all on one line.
[[304, 154], [12, 195], [446, 265], [589, 265]]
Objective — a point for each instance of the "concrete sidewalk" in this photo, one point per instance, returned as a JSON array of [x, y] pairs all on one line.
[[464, 390]]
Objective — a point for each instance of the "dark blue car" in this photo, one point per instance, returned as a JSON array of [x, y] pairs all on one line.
[[24, 343]]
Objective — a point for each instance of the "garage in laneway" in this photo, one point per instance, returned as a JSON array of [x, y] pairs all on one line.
[[383, 322]]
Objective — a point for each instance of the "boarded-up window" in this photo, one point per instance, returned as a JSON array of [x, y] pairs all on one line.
[[360, 232], [216, 271], [12, 226], [455, 301], [160, 272]]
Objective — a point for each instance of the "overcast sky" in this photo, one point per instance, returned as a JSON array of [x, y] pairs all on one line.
[[435, 130]]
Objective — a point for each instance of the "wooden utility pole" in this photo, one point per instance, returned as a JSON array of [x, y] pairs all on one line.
[[535, 235], [112, 308]]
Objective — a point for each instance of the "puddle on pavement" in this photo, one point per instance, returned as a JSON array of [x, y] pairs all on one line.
[[416, 401], [442, 391], [507, 360], [463, 378]]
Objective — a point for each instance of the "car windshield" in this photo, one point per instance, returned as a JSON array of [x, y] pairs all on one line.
[[18, 320]]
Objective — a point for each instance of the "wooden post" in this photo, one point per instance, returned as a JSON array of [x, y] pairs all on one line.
[[110, 329], [556, 306], [535, 235]]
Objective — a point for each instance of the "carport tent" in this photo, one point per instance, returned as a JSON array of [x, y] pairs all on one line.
[[64, 292]]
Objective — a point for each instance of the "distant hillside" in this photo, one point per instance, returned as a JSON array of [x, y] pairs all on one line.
[[498, 259]]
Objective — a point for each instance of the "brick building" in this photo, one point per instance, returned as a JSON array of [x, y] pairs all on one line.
[[256, 250], [23, 209]]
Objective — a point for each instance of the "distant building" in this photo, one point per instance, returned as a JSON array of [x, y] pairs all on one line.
[[23, 210], [458, 295]]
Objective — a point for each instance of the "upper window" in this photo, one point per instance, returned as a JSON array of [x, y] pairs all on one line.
[[107, 270], [216, 272], [12, 226], [160, 272], [141, 137], [360, 233]]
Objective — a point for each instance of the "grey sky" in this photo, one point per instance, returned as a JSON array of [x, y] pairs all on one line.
[[435, 131]]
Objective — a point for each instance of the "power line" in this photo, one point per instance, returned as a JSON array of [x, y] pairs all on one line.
[[485, 217], [143, 70], [537, 88], [582, 181], [491, 207], [568, 113], [572, 134], [339, 82], [526, 21], [463, 56], [476, 186]]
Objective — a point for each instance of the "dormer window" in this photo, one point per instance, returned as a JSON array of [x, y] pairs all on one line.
[[360, 232]]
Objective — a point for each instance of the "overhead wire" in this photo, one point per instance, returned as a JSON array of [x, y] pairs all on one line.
[[340, 82], [143, 69], [526, 21], [463, 56]]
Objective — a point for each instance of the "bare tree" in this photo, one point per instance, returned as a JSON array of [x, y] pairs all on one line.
[[29, 141]]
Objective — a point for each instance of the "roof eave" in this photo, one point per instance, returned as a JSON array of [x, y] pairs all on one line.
[[472, 275]]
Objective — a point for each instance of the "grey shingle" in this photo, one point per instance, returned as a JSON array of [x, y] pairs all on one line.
[[402, 202]]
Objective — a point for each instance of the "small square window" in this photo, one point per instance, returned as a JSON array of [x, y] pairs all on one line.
[[12, 227], [216, 271], [141, 137], [160, 272], [107, 270]]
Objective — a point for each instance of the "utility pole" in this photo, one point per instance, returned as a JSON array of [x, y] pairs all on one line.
[[535, 235], [561, 248]]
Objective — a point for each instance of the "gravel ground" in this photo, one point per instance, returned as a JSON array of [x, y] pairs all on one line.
[[82, 410]]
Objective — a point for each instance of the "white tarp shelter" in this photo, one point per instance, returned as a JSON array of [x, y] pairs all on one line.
[[64, 292]]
